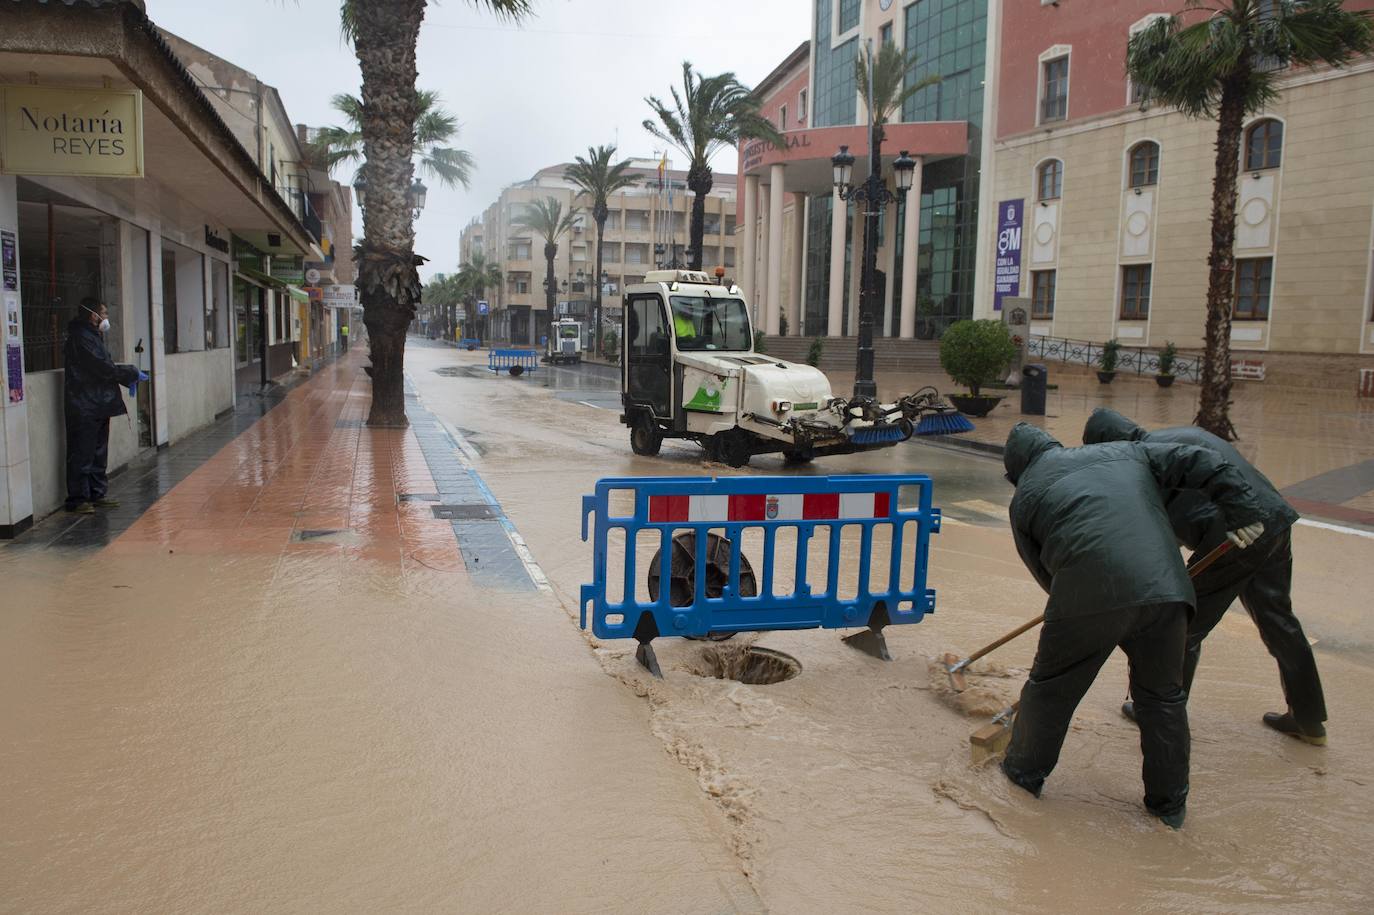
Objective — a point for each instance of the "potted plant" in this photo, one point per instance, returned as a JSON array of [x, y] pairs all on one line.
[[609, 343], [1167, 356], [813, 355], [975, 353], [1111, 353]]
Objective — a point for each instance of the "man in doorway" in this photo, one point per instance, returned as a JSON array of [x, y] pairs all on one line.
[[1261, 576], [92, 396]]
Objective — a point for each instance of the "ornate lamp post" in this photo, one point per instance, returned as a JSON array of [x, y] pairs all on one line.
[[874, 195]]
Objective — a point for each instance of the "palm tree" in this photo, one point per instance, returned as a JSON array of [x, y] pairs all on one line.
[[596, 177], [384, 34], [479, 274], [1225, 66], [433, 127], [890, 87], [710, 113], [546, 219]]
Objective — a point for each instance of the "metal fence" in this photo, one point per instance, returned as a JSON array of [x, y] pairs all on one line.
[[1139, 360]]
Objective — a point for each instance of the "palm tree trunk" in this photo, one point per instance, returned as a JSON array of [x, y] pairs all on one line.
[[388, 282], [1214, 410], [551, 290], [600, 236], [699, 182]]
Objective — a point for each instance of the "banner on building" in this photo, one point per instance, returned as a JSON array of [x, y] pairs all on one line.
[[290, 270], [79, 132], [9, 255], [340, 296], [1007, 280]]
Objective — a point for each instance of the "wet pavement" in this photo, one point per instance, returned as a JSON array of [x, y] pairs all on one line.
[[337, 669]]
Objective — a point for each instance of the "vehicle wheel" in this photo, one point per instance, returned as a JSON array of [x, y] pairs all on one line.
[[804, 455], [516, 371], [682, 574], [645, 439], [731, 448]]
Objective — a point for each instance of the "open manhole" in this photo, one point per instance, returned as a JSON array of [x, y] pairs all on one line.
[[749, 664]]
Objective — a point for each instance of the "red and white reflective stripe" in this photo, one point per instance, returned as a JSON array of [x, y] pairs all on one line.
[[847, 506]]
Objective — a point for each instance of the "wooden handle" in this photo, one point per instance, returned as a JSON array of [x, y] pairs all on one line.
[[1202, 564], [1003, 640]]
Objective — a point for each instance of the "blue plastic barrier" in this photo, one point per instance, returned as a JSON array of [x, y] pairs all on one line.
[[515, 361], [672, 506]]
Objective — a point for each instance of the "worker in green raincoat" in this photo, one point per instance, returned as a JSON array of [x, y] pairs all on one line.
[[1090, 525], [1261, 576]]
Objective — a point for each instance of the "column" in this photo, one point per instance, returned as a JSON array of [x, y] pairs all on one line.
[[16, 479], [744, 255], [776, 195], [884, 321], [856, 268], [834, 318], [910, 249], [801, 209], [760, 300]]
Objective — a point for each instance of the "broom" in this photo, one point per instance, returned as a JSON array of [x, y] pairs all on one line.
[[937, 416]]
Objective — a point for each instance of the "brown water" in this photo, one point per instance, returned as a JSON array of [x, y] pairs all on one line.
[[248, 733]]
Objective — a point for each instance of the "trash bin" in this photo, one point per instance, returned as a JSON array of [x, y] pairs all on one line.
[[1034, 382]]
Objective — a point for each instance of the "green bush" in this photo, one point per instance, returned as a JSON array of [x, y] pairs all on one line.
[[813, 355], [760, 344], [1111, 353], [609, 342], [975, 353], [1167, 357]]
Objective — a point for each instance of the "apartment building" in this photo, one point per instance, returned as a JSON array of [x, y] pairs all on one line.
[[647, 227]]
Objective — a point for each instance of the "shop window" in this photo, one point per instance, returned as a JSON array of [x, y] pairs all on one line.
[[247, 322], [1054, 98], [1042, 286], [1050, 180], [183, 299], [217, 309], [1264, 145], [281, 326], [1145, 164], [1254, 278], [1135, 292]]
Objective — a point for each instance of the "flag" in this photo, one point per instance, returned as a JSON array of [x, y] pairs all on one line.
[[662, 169]]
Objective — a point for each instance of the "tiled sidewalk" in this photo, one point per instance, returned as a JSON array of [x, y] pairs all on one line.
[[308, 478]]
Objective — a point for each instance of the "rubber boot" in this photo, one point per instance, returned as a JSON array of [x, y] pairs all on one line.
[[1285, 723]]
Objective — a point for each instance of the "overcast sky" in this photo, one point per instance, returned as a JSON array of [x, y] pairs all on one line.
[[528, 96]]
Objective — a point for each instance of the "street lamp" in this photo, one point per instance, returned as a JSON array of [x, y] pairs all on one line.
[[874, 194], [418, 192], [360, 189]]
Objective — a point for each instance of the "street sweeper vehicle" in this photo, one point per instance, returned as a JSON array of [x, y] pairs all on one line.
[[690, 371], [565, 342]]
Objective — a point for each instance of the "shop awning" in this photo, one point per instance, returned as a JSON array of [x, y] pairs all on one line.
[[259, 277], [299, 294]]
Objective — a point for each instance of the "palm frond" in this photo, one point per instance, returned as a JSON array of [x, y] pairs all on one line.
[[450, 167], [545, 218]]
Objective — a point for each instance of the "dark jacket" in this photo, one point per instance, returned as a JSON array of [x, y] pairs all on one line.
[[93, 379], [1090, 523], [1196, 521]]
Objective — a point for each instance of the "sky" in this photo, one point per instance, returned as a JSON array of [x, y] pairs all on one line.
[[574, 74]]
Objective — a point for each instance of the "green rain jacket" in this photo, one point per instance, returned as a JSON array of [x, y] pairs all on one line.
[[1090, 522], [1196, 521]]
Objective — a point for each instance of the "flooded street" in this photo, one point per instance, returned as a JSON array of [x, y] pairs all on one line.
[[229, 722]]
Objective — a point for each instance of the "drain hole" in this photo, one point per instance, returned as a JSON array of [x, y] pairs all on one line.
[[746, 663]]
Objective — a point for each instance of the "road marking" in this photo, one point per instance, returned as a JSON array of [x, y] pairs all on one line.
[[1340, 529], [522, 550]]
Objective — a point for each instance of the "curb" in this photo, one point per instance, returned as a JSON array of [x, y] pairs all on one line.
[[967, 444]]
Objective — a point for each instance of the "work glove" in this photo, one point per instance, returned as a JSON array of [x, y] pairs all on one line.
[[1244, 536], [133, 385]]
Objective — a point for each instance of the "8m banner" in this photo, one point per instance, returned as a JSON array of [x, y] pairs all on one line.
[[1007, 279]]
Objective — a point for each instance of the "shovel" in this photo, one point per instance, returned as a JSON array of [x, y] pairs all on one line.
[[956, 667], [993, 737]]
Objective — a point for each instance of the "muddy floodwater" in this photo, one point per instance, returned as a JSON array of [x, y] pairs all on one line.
[[207, 732]]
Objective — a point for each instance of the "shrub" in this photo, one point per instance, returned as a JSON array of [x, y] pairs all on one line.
[[1167, 357], [975, 353], [1111, 353], [813, 355], [760, 343], [609, 343]]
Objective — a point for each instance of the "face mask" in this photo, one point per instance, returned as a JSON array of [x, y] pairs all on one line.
[[104, 325]]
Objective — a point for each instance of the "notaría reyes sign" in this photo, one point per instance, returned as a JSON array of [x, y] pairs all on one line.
[[89, 132], [1007, 279]]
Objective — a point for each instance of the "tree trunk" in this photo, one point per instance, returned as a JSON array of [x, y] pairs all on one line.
[[388, 282], [551, 290], [1214, 409], [699, 182], [599, 214]]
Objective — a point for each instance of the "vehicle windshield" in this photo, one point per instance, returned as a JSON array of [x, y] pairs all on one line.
[[701, 323], [568, 332]]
